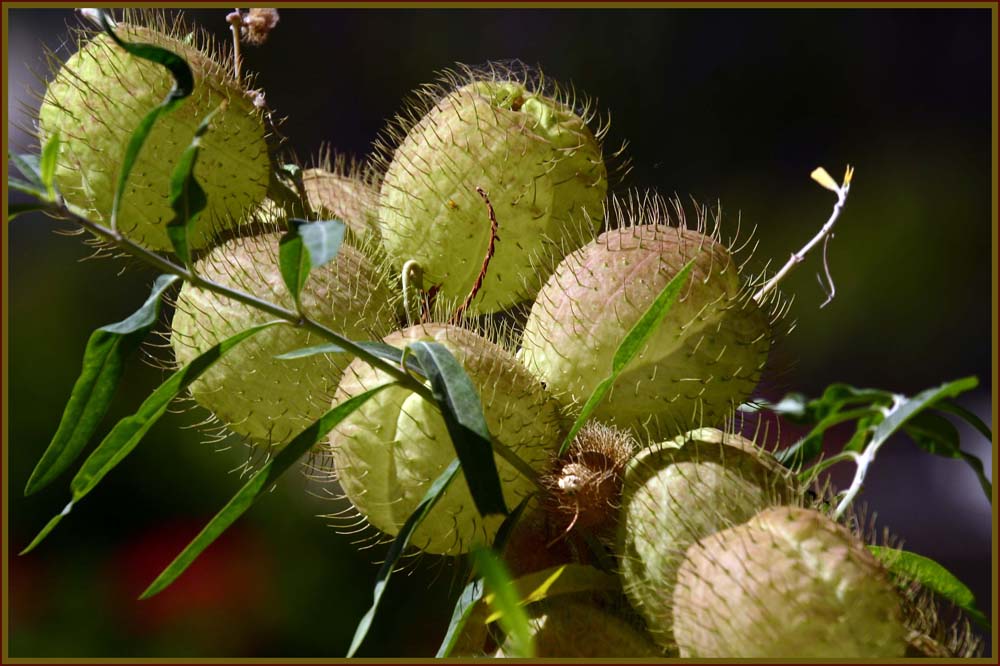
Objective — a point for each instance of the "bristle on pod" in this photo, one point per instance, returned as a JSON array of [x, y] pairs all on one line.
[[789, 583], [388, 452], [703, 360], [266, 399], [678, 492], [521, 142], [101, 94]]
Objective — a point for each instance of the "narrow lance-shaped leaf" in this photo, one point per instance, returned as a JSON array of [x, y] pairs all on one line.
[[183, 85], [630, 346], [307, 245], [380, 349], [187, 198], [47, 164], [931, 575], [103, 364], [559, 580], [397, 548], [129, 431], [257, 487], [30, 167], [463, 416], [468, 602], [16, 209], [503, 598]]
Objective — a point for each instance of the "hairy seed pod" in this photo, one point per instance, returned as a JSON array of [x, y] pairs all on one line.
[[788, 583], [256, 395], [532, 155], [681, 491], [705, 357], [99, 97], [583, 629], [389, 451], [344, 193]]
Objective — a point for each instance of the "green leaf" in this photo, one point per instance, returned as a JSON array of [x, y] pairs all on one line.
[[47, 164], [901, 414], [187, 198], [467, 603], [398, 546], [810, 446], [503, 598], [129, 431], [30, 167], [630, 346], [560, 580], [16, 209], [463, 415], [257, 486], [935, 434], [27, 188], [103, 364], [322, 239], [183, 85], [305, 246], [931, 575], [953, 407], [473, 592]]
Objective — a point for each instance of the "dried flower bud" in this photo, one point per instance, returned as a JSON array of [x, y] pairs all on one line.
[[258, 24]]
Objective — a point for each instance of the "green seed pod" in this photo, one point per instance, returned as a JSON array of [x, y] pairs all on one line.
[[99, 97], [678, 492], [704, 359], [789, 583], [533, 156], [581, 629], [267, 399], [389, 451]]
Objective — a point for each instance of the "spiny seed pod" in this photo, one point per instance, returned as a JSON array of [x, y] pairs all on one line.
[[266, 399], [678, 492], [788, 583], [571, 629], [99, 97], [705, 357], [389, 451], [343, 190], [583, 487], [533, 156]]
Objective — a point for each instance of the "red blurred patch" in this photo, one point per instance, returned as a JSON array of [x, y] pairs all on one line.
[[231, 580]]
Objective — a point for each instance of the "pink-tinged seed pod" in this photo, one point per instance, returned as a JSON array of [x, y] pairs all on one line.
[[705, 358], [679, 492], [789, 583]]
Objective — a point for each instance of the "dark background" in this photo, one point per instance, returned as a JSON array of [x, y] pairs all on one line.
[[735, 106]]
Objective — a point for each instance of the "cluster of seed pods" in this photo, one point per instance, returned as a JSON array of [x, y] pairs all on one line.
[[494, 184]]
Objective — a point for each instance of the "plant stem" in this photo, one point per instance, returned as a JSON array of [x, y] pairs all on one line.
[[235, 20], [798, 257], [294, 318]]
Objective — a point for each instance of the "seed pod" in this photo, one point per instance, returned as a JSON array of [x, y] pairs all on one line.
[[533, 156], [99, 97], [343, 190], [575, 628], [267, 399], [678, 492], [389, 451], [705, 357], [788, 583]]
